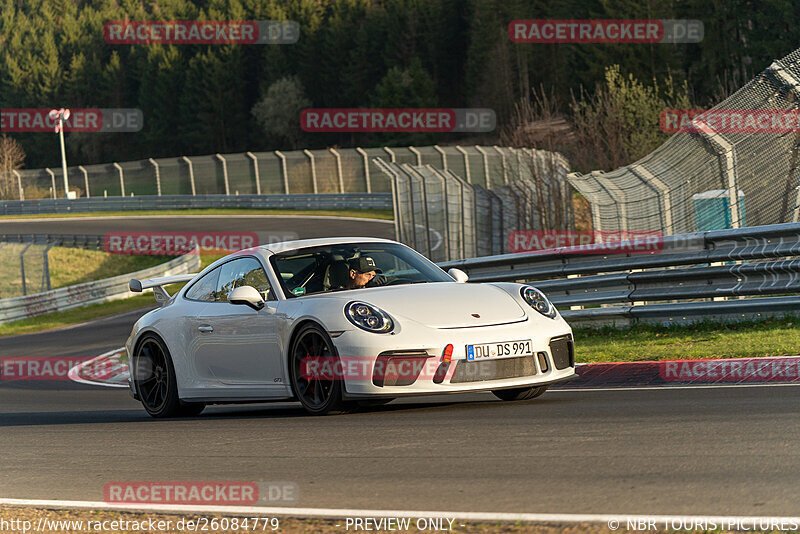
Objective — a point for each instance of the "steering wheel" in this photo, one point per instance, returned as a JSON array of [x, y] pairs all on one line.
[[398, 281]]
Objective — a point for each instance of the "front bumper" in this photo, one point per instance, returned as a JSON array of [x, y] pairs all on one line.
[[553, 359]]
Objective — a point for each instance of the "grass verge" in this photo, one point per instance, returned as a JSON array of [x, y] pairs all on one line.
[[369, 214], [770, 337], [68, 266], [62, 319], [75, 316]]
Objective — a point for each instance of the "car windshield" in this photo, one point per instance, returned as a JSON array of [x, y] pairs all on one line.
[[326, 268]]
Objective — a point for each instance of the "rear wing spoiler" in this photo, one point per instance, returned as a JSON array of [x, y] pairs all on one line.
[[159, 293]]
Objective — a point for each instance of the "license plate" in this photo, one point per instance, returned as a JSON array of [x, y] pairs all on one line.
[[501, 349]]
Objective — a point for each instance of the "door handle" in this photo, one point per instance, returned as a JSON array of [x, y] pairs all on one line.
[[206, 329]]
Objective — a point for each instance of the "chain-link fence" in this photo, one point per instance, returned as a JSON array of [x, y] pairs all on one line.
[[714, 175], [25, 269], [302, 171], [445, 216]]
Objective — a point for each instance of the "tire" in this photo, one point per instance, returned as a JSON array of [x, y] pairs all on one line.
[[518, 394], [154, 379], [318, 397]]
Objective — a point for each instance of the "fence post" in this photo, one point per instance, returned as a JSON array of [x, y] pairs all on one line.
[[52, 180], [395, 203], [444, 156], [366, 168], [46, 268], [462, 186], [22, 268], [424, 204], [285, 171], [225, 174], [121, 178], [503, 162], [416, 153], [391, 154], [255, 168], [19, 184], [648, 178], [158, 175], [446, 212], [485, 165], [85, 180], [466, 163], [338, 169], [617, 195], [725, 151], [191, 174], [308, 153]]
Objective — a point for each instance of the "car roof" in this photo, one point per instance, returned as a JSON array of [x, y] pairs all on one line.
[[284, 246]]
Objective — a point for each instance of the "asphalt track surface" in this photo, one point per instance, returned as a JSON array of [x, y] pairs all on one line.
[[725, 451], [729, 451]]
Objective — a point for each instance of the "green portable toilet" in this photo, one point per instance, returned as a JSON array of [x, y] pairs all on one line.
[[712, 210]]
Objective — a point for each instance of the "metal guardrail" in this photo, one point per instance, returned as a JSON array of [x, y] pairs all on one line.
[[322, 201], [91, 242], [626, 287], [666, 285]]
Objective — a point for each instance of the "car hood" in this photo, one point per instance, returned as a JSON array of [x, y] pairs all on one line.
[[441, 304]]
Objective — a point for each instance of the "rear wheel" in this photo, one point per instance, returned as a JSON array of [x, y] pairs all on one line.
[[154, 379], [319, 394], [517, 394]]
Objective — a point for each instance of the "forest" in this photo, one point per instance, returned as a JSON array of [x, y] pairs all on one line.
[[200, 99]]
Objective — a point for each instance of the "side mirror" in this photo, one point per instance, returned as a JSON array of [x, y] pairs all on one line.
[[247, 295], [459, 275]]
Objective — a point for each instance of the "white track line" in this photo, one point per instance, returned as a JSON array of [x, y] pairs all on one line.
[[189, 216], [74, 373], [334, 513]]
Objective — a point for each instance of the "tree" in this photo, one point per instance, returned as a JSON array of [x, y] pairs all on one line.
[[279, 111], [619, 122], [412, 87], [406, 88], [12, 157]]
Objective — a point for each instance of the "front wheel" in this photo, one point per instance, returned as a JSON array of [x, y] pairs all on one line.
[[154, 379], [517, 394], [319, 393]]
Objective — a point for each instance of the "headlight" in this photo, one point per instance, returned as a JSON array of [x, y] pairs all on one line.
[[368, 317], [538, 301]]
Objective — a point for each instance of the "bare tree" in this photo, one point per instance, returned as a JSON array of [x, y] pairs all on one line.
[[537, 123], [12, 157]]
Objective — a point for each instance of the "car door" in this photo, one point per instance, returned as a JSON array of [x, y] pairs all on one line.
[[237, 345]]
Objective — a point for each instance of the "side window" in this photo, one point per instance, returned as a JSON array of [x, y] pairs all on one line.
[[242, 272], [204, 289]]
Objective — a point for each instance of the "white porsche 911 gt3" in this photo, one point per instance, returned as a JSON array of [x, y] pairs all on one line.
[[337, 322]]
